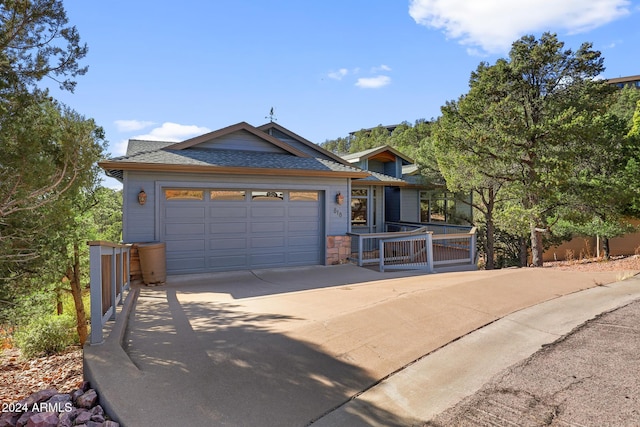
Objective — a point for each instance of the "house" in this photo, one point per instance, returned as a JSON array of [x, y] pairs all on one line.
[[246, 197], [628, 81]]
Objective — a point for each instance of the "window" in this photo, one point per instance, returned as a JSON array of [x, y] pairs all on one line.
[[184, 194], [303, 196], [437, 206], [359, 205], [226, 195], [267, 196]]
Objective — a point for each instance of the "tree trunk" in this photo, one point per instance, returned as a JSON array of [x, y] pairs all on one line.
[[73, 273], [59, 306], [523, 251], [606, 250], [536, 247], [490, 244]]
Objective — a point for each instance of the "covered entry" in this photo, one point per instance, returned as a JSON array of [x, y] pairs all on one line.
[[230, 229]]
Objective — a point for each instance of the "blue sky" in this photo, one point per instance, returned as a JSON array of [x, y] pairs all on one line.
[[174, 70]]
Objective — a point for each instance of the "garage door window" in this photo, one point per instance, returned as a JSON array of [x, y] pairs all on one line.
[[303, 196], [184, 194], [227, 195], [267, 196]]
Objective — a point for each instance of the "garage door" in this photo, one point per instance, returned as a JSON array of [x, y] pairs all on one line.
[[217, 230]]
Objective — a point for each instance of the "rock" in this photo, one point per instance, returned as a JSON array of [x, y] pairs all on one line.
[[24, 418], [88, 399], [9, 419], [59, 400], [43, 419], [39, 396], [66, 419], [48, 408], [85, 386], [75, 394], [97, 410], [83, 417], [98, 418]]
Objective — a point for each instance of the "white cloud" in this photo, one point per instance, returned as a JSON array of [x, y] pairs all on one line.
[[493, 25], [173, 132], [373, 82], [338, 75], [382, 67], [132, 125]]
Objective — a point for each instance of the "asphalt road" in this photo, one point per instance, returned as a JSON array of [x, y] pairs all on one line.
[[591, 377]]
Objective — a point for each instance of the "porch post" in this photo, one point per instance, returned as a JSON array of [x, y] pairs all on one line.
[[95, 278], [429, 245], [114, 278]]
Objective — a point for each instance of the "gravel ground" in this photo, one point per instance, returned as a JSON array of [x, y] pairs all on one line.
[[20, 378]]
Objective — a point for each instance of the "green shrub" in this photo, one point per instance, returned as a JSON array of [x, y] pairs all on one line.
[[46, 335]]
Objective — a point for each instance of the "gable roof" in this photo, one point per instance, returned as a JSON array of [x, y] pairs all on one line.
[[373, 152], [242, 126], [189, 157], [311, 148]]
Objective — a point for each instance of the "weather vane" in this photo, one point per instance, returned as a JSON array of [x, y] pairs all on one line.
[[271, 115]]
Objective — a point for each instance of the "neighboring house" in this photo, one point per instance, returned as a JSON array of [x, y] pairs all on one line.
[[629, 81], [246, 197]]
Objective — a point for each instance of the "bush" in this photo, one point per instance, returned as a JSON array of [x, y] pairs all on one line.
[[46, 335]]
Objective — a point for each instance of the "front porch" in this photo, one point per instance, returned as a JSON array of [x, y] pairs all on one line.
[[432, 247]]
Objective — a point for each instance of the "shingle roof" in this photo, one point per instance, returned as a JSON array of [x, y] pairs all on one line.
[[138, 145], [145, 152], [375, 177]]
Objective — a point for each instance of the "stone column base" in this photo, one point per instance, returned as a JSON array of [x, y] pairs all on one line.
[[338, 250]]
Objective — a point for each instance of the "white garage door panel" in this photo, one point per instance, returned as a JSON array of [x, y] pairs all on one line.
[[217, 235], [228, 227], [182, 265], [268, 260], [303, 241], [303, 227], [303, 257], [181, 229], [267, 211], [225, 244], [218, 210], [227, 262], [303, 212], [267, 242], [267, 227], [185, 211], [185, 245]]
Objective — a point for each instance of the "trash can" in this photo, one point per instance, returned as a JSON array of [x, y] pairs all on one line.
[[153, 262]]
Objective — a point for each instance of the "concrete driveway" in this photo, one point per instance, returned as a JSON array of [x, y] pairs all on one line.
[[290, 347]]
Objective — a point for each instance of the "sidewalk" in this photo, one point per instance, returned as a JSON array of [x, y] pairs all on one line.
[[294, 346]]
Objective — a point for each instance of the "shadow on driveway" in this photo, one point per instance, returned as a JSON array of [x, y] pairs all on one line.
[[216, 365]]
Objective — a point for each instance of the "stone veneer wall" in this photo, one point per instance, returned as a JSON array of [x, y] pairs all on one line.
[[338, 249]]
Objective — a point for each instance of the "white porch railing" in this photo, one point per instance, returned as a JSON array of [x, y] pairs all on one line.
[[409, 252], [421, 248], [365, 247], [457, 248], [109, 277]]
